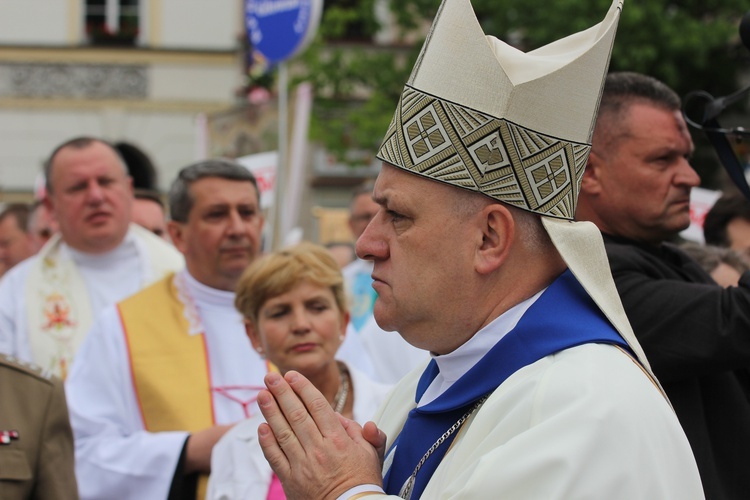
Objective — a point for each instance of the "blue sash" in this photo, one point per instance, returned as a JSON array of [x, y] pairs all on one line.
[[564, 316]]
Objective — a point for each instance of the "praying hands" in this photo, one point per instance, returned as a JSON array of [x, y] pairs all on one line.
[[315, 452]]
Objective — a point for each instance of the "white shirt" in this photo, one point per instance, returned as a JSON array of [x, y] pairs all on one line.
[[384, 356], [109, 278], [115, 457]]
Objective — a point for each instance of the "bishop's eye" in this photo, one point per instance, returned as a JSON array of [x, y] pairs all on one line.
[[394, 216]]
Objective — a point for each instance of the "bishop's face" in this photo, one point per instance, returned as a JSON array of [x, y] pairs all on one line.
[[422, 254]]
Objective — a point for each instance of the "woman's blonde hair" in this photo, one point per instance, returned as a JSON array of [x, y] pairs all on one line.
[[279, 272]]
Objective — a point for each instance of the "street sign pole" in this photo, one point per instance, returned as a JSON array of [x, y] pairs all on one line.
[[277, 211], [279, 30]]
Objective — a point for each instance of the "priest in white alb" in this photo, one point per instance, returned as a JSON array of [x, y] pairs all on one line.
[[165, 373], [48, 302]]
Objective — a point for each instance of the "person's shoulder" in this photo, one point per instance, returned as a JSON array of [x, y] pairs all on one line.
[[600, 372], [157, 245], [145, 295], [620, 245], [13, 367], [238, 438], [243, 431], [623, 252], [18, 274], [398, 401]]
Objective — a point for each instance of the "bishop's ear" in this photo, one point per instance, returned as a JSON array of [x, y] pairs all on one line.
[[498, 231]]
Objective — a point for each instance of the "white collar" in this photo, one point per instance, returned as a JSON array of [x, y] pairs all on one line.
[[195, 296], [205, 294], [101, 260], [454, 365]]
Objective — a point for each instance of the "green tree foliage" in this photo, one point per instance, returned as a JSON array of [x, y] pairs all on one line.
[[689, 44]]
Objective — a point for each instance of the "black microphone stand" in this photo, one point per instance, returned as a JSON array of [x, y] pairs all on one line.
[[709, 121]]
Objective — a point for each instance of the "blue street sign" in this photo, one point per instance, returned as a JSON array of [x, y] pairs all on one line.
[[279, 29]]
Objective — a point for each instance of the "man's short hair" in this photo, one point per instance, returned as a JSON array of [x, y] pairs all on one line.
[[81, 142], [529, 225], [150, 195], [709, 257], [366, 187], [140, 166], [623, 88], [180, 198], [726, 209], [21, 213]]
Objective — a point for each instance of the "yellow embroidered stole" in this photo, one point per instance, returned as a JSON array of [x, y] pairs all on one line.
[[169, 367]]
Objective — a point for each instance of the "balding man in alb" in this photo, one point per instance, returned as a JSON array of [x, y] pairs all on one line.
[[47, 303]]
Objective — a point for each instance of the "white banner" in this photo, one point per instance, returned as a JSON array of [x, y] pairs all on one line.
[[263, 166], [701, 201]]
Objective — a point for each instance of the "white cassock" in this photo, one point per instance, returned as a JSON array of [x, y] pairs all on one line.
[[239, 469], [572, 425], [115, 457], [584, 423], [101, 280]]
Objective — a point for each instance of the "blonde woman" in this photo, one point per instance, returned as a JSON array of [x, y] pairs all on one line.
[[296, 316]]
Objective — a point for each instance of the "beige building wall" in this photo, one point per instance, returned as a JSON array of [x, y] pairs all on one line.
[[54, 85], [186, 66]]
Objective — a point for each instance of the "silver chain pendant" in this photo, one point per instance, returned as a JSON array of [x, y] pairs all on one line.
[[408, 487]]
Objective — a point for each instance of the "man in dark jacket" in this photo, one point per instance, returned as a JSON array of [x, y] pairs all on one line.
[[695, 333]]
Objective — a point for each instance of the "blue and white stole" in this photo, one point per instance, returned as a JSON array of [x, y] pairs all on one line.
[[564, 316]]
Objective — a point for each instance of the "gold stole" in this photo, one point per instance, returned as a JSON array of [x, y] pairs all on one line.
[[170, 368]]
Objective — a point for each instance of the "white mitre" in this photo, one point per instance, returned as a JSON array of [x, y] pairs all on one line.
[[481, 115]]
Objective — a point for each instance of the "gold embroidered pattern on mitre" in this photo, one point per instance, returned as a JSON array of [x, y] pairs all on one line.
[[472, 150]]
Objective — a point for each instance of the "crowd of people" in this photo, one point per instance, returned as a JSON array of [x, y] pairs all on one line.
[[140, 322], [520, 320]]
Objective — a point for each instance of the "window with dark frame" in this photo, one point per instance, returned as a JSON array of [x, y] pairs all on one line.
[[112, 22]]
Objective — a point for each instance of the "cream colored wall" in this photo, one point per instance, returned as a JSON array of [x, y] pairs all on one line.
[[210, 24], [27, 137], [34, 22], [198, 72], [194, 82]]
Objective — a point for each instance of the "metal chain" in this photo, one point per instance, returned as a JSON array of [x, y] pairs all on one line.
[[408, 487], [340, 399]]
